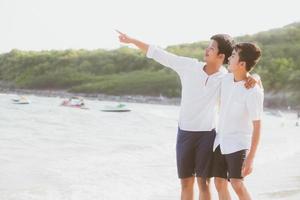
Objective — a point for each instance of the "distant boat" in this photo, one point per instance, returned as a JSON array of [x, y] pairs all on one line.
[[276, 113], [21, 100], [74, 102], [119, 108]]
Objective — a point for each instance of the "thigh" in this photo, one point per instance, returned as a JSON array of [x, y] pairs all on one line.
[[185, 154], [219, 164], [204, 154]]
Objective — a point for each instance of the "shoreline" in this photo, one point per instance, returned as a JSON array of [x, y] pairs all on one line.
[[95, 96], [161, 100]]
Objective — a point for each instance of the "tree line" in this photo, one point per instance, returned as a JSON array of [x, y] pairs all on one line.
[[127, 71]]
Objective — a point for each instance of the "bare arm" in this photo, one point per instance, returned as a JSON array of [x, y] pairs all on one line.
[[248, 165], [255, 138], [179, 64], [128, 40]]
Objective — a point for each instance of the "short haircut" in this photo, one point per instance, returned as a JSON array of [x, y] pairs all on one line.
[[249, 53], [225, 45]]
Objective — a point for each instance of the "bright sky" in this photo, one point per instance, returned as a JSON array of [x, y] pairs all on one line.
[[90, 24]]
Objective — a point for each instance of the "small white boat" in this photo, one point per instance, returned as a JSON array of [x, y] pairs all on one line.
[[119, 108], [21, 100], [276, 113]]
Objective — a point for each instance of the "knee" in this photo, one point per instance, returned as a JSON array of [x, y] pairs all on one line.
[[220, 184], [237, 185], [203, 184], [187, 184]]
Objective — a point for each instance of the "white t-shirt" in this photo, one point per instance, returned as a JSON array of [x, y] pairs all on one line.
[[239, 108], [200, 92]]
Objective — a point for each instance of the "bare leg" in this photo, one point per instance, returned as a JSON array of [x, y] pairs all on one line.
[[240, 189], [221, 185], [187, 188], [204, 189]]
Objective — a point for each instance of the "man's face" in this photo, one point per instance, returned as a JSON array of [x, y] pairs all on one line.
[[211, 52], [234, 61]]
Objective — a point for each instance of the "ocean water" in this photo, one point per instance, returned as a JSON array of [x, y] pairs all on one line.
[[52, 152]]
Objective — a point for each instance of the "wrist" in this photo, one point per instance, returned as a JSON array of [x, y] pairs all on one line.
[[250, 156], [133, 41]]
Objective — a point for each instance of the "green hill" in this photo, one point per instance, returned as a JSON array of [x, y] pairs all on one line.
[[127, 71]]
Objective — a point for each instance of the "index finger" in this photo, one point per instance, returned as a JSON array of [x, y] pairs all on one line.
[[119, 32]]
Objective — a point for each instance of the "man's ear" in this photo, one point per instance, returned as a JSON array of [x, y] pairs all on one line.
[[242, 64], [221, 56]]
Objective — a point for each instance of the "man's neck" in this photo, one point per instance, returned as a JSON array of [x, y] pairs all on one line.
[[240, 76], [211, 68]]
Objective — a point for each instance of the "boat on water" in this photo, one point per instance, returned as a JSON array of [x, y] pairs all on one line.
[[74, 102], [21, 100], [118, 108], [276, 113]]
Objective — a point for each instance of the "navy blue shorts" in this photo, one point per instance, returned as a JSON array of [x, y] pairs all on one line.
[[228, 166], [194, 151]]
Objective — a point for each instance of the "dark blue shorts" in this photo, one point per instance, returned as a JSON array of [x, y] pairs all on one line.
[[228, 166], [194, 151]]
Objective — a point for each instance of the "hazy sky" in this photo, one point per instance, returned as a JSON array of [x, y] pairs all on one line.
[[90, 24]]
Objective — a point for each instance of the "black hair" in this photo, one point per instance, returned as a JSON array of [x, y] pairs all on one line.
[[225, 45], [249, 53]]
